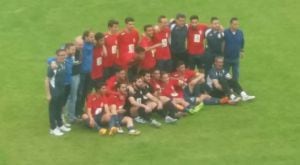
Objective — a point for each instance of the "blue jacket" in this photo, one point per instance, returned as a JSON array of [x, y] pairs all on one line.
[[234, 43], [87, 57], [69, 65]]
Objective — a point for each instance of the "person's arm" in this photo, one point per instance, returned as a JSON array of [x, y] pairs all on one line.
[[47, 89], [217, 84], [135, 103], [154, 99], [92, 121], [242, 45]]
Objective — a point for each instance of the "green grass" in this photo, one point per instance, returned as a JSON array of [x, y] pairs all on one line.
[[265, 131]]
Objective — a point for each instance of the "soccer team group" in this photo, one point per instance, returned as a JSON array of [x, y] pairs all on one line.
[[115, 79]]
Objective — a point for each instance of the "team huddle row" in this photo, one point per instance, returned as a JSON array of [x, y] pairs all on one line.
[[118, 78]]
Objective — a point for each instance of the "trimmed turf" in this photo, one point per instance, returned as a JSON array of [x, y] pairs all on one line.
[[265, 131]]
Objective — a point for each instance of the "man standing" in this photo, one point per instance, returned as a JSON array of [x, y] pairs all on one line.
[[163, 54], [149, 62], [111, 43], [178, 40], [195, 43], [127, 40], [55, 92], [86, 66], [214, 42], [234, 47]]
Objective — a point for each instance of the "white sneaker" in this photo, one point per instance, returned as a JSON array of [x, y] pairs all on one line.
[[56, 132], [120, 130], [235, 99], [247, 98], [134, 132], [67, 125], [169, 119], [64, 129], [138, 119], [155, 123]]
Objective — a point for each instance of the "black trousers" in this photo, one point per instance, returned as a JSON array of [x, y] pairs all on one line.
[[85, 87], [229, 87], [55, 110]]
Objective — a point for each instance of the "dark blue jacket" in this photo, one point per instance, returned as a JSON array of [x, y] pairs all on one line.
[[87, 57], [234, 43]]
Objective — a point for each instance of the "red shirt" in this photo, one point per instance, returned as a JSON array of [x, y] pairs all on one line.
[[163, 52], [111, 83], [96, 102], [149, 61], [195, 41], [117, 99], [126, 43], [111, 43], [171, 89], [156, 85], [97, 66], [186, 76]]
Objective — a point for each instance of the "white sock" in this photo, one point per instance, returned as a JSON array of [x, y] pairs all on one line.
[[232, 96]]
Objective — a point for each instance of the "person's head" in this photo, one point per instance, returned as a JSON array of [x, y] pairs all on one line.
[[70, 49], [180, 19], [180, 66], [101, 88], [138, 82], [194, 21], [122, 87], [215, 23], [129, 21], [139, 52], [113, 26], [163, 22], [78, 42], [234, 23], [156, 74], [219, 62], [60, 55], [146, 76], [120, 74], [149, 30], [99, 38], [88, 36], [165, 77]]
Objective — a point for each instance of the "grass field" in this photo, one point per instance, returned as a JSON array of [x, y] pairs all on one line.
[[265, 131]]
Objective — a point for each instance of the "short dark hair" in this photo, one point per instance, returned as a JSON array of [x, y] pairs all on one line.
[[139, 49], [119, 83], [146, 27], [112, 22], [194, 17], [129, 19], [144, 72], [233, 19], [99, 36], [59, 50], [99, 85], [213, 19], [86, 34], [160, 18], [69, 45], [180, 15], [179, 63]]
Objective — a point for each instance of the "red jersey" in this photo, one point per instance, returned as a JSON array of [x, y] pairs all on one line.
[[97, 65], [149, 61], [171, 89], [111, 43], [163, 52], [156, 85], [186, 76], [96, 102], [117, 99], [126, 44], [195, 40], [111, 83]]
